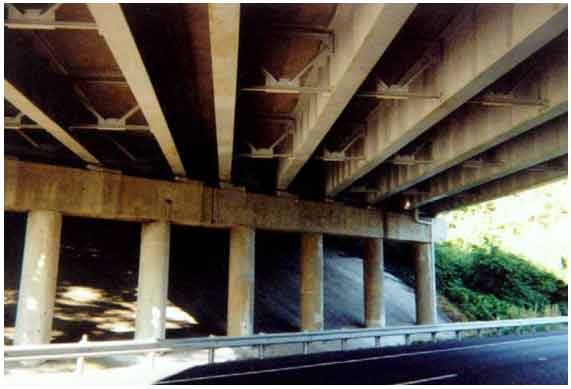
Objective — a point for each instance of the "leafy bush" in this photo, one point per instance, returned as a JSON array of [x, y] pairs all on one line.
[[487, 283]]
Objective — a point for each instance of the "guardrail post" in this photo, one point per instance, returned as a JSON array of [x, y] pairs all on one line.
[[211, 352], [151, 359], [343, 344], [433, 337], [377, 341], [407, 339], [261, 351], [79, 364], [305, 347], [458, 335], [479, 332]]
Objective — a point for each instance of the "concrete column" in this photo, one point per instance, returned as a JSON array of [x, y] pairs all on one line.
[[373, 274], [37, 291], [425, 284], [241, 278], [153, 280], [311, 282]]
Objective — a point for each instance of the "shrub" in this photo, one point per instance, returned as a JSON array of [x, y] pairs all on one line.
[[487, 283]]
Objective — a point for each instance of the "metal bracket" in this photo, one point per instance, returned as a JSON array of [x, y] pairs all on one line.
[[409, 160], [327, 37], [400, 90], [15, 123], [99, 168], [507, 100], [394, 92], [42, 19], [341, 155], [294, 85], [114, 124], [363, 189], [268, 152], [480, 163], [430, 58]]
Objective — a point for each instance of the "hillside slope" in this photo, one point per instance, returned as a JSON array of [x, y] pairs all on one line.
[[98, 276]]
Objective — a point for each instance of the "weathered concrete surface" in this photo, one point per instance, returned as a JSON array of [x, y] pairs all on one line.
[[475, 128], [224, 28], [550, 171], [425, 284], [153, 281], [544, 143], [362, 34], [103, 195], [478, 47], [39, 278], [241, 281], [373, 277], [113, 26], [311, 286]]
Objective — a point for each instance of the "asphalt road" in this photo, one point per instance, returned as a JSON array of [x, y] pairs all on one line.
[[527, 359]]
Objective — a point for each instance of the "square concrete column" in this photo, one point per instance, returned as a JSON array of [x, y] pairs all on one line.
[[38, 283], [241, 279], [373, 274], [425, 284], [153, 281], [311, 282]]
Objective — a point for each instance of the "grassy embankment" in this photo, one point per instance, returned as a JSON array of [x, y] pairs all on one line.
[[487, 283]]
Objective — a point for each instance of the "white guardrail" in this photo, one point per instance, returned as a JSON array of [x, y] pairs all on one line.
[[104, 348]]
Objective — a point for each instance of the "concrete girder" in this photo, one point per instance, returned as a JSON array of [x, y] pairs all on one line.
[[362, 34], [541, 144], [31, 110], [103, 195], [523, 180], [475, 128], [224, 25], [480, 45], [115, 29]]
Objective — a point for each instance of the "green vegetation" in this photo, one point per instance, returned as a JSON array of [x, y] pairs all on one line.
[[486, 283], [532, 224]]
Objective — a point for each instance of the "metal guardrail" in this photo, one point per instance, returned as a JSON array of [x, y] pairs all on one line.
[[261, 341]]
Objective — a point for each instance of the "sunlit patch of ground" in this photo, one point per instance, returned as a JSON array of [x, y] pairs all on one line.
[[97, 313]]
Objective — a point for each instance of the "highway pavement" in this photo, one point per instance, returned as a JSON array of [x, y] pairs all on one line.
[[539, 358]]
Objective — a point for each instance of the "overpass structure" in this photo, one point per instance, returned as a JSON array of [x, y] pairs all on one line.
[[360, 120]]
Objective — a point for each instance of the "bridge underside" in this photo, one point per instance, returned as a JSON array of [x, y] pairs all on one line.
[[352, 119]]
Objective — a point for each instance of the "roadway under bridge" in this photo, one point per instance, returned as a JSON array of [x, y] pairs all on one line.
[[356, 120]]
